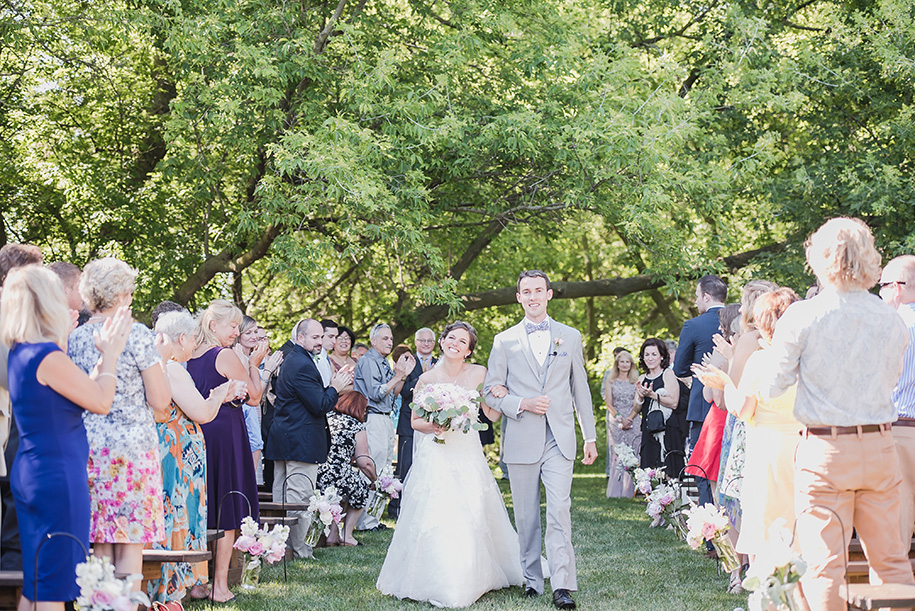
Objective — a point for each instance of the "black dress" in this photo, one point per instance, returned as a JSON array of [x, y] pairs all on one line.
[[338, 471], [650, 452]]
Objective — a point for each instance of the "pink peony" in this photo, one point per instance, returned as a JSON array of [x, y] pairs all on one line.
[[244, 543], [101, 598], [123, 603], [275, 553], [256, 548], [708, 530], [645, 487]]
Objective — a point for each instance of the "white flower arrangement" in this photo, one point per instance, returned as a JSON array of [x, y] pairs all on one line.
[[626, 458], [326, 507], [262, 543], [450, 406], [661, 503], [647, 480], [775, 572], [387, 484], [100, 590], [704, 523]]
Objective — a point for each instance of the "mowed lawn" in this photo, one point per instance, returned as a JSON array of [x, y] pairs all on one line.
[[622, 564]]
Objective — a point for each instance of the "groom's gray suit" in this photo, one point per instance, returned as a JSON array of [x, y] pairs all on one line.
[[542, 447]]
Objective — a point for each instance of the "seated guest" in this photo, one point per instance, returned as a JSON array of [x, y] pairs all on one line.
[[229, 464], [125, 478], [844, 350], [348, 441], [49, 395], [183, 458]]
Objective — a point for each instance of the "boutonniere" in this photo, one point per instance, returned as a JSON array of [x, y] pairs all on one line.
[[557, 341]]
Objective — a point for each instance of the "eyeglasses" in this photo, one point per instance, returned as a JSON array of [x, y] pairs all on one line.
[[883, 285]]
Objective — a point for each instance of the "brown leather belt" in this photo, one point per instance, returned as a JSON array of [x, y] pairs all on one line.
[[848, 430], [905, 422]]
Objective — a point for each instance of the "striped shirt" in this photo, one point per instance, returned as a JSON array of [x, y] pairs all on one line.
[[904, 393]]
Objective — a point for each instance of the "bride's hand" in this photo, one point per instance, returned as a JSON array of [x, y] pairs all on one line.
[[498, 391], [438, 429]]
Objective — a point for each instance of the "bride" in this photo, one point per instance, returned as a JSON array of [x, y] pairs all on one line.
[[453, 541]]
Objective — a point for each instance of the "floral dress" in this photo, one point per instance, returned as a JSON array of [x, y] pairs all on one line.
[[184, 481], [125, 478], [338, 470]]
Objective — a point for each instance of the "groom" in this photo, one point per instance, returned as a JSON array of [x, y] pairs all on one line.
[[540, 362]]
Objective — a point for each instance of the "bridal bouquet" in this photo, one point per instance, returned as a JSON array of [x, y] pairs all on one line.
[[774, 574], [100, 590], [661, 504], [708, 523], [259, 545], [450, 406]]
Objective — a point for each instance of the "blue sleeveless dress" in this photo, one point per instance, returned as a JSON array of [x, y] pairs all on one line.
[[49, 478]]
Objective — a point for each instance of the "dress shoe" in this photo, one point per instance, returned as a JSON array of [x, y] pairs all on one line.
[[563, 599], [530, 593]]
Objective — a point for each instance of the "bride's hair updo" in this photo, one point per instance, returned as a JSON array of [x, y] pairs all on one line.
[[460, 324]]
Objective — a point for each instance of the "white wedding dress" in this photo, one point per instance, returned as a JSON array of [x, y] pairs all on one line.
[[453, 541]]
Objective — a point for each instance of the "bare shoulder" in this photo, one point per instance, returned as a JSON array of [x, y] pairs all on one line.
[[476, 375]]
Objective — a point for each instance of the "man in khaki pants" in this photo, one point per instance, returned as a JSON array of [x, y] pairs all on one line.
[[897, 288], [844, 349]]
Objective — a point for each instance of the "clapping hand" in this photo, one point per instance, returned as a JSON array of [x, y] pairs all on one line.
[[112, 337], [711, 376], [164, 347], [723, 346], [229, 391], [342, 378], [273, 362], [258, 353], [404, 365]]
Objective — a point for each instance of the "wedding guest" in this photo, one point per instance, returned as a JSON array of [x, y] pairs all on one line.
[[11, 256], [359, 350], [229, 464], [251, 352], [657, 390], [49, 396], [331, 331], [69, 275], [844, 349], [299, 438], [375, 379], [268, 401], [348, 445], [695, 342], [398, 351], [619, 395], [897, 288], [340, 356], [183, 459], [163, 307], [125, 478]]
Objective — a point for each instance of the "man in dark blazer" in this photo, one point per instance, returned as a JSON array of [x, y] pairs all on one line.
[[299, 437], [696, 342], [424, 340]]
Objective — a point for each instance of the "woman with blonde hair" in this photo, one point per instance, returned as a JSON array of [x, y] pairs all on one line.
[[619, 394], [251, 352], [125, 478], [49, 394], [181, 448], [229, 464]]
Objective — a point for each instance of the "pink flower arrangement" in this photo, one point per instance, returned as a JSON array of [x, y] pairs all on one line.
[[100, 590], [450, 406], [326, 507], [704, 523], [259, 545], [388, 484], [660, 503]]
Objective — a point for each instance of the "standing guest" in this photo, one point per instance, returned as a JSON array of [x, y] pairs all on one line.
[[657, 390], [424, 340], [340, 356], [897, 288], [268, 401], [299, 438], [398, 351], [49, 395], [359, 350], [251, 352], [619, 395], [11, 256], [181, 450], [380, 385], [331, 331], [229, 464], [125, 477], [844, 349], [69, 275], [164, 307], [695, 342]]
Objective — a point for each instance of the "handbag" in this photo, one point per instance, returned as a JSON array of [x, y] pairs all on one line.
[[169, 606], [654, 420]]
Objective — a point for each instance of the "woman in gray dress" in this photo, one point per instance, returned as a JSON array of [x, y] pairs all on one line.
[[619, 393]]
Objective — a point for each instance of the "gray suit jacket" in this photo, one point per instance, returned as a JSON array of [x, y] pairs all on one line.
[[562, 378]]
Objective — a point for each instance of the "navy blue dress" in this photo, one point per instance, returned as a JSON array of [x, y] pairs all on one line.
[[49, 478]]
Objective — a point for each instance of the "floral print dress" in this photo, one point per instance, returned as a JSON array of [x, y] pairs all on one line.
[[125, 479], [338, 470]]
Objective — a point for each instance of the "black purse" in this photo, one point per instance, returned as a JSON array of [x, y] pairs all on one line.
[[654, 420]]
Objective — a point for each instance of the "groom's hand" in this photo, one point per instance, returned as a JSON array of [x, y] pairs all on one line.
[[590, 453], [536, 405]]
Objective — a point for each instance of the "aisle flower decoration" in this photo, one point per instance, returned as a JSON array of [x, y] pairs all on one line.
[[709, 523], [626, 458], [450, 406], [387, 487], [100, 590], [323, 510], [259, 545], [775, 573], [647, 480], [661, 504]]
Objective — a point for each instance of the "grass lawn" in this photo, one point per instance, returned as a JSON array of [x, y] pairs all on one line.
[[622, 564]]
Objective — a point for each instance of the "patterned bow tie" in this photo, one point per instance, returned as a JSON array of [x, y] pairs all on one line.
[[531, 327]]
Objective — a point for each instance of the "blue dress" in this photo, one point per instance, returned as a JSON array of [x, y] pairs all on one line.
[[49, 479]]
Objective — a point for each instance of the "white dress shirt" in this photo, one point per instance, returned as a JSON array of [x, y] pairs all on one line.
[[322, 361], [539, 341], [904, 394]]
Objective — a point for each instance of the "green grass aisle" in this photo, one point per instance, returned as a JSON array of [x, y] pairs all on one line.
[[622, 564]]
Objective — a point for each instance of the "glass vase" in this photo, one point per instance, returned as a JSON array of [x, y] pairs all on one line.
[[679, 522], [315, 528], [726, 552], [376, 503], [251, 573]]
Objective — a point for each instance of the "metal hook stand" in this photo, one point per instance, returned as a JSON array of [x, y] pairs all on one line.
[[219, 516], [47, 538], [283, 501], [841, 525]]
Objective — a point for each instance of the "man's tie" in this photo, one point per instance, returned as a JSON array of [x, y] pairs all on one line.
[[543, 326]]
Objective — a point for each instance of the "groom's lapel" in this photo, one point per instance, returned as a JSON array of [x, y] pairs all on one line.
[[526, 345]]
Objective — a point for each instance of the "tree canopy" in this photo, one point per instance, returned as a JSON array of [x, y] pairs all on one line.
[[403, 160]]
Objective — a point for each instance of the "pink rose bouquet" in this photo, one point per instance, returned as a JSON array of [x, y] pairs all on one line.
[[259, 545], [450, 406], [100, 590]]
